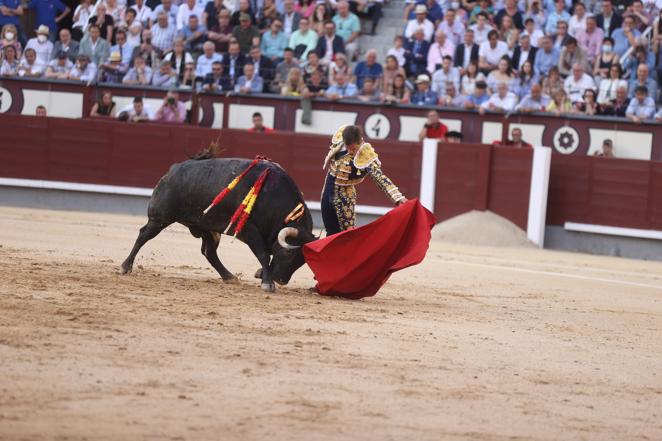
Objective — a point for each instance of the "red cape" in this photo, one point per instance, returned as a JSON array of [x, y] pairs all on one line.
[[356, 263]]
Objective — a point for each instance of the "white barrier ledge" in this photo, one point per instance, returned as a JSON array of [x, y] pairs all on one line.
[[138, 191], [613, 231]]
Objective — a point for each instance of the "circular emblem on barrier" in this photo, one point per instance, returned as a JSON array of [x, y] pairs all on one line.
[[566, 140], [5, 100], [377, 126]]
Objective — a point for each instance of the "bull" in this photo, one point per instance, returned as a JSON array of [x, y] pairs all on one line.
[[188, 188]]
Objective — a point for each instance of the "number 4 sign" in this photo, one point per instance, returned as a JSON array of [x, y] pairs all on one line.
[[377, 126]]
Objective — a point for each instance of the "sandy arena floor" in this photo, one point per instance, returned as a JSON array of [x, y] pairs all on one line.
[[474, 344]]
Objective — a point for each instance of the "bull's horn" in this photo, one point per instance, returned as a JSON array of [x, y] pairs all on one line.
[[284, 234]]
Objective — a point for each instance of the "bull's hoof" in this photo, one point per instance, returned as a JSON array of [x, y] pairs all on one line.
[[234, 280], [125, 269], [268, 287], [258, 273]]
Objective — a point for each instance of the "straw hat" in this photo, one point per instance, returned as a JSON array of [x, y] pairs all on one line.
[[43, 29]]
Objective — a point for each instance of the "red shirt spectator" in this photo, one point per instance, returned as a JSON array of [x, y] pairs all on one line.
[[258, 125], [433, 128]]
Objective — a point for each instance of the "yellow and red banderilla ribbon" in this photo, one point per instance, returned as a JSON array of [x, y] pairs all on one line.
[[217, 200], [244, 210], [295, 214]]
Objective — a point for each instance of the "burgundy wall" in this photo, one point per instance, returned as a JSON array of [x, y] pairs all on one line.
[[584, 189], [605, 191], [109, 152], [483, 177]]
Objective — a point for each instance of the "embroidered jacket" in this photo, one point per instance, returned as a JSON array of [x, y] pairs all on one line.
[[350, 170]]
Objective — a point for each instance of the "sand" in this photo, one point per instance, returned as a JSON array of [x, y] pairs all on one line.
[[476, 343], [481, 228]]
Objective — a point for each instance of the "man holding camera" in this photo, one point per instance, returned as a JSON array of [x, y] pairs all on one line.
[[433, 128], [172, 110]]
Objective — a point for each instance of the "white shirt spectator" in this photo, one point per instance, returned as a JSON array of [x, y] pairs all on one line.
[[575, 24], [453, 33], [608, 88], [143, 14], [131, 111], [492, 56], [43, 50], [163, 38], [534, 37], [172, 13], [185, 12], [87, 74], [575, 88], [440, 78], [413, 25], [480, 35], [36, 70], [203, 64], [84, 14], [506, 103], [399, 54]]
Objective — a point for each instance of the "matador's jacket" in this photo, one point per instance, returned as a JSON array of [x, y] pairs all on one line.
[[345, 171]]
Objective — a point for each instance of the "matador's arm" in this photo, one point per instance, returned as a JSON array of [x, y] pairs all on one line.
[[385, 184]]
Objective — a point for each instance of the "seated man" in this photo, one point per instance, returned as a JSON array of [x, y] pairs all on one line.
[[369, 92], [424, 96], [83, 70], [165, 76], [206, 60], [60, 67], [416, 54], [136, 112], [139, 73], [249, 82], [194, 35], [642, 107], [215, 81], [535, 101], [112, 70], [516, 140], [503, 101], [342, 89], [480, 95]]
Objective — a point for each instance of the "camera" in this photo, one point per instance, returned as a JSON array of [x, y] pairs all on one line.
[[171, 101]]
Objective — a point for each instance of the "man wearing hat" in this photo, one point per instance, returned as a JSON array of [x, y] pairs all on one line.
[[41, 45], [112, 71], [246, 34], [83, 70], [607, 150], [49, 13], [59, 67], [420, 21], [424, 96]]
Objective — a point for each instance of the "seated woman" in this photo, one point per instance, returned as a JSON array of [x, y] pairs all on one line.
[[609, 85], [502, 74], [589, 106], [105, 107], [398, 93], [560, 103], [294, 84]]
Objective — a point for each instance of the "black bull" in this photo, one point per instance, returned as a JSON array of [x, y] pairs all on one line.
[[189, 187]]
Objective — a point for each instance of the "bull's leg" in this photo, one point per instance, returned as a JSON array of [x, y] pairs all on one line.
[[260, 250], [148, 232], [210, 243]]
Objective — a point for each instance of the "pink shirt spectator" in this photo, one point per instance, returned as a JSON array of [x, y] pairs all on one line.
[[437, 52], [591, 42], [168, 115]]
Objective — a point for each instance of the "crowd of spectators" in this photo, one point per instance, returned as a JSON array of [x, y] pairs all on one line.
[[557, 56]]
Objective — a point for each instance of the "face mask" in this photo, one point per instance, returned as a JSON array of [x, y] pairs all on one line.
[[606, 48], [41, 38], [9, 35]]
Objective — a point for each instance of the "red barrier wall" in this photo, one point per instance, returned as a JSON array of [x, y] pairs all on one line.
[[483, 177], [592, 190], [605, 191], [113, 153]]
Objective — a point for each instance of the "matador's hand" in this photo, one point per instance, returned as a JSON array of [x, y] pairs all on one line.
[[401, 201]]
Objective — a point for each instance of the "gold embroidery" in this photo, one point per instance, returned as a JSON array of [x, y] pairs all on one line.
[[365, 156]]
